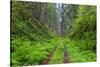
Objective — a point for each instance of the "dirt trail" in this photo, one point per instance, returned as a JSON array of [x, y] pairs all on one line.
[[66, 58], [46, 61]]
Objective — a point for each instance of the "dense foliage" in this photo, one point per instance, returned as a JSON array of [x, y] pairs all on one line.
[[27, 35], [84, 28], [40, 29]]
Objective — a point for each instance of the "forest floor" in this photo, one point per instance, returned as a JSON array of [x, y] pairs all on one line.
[[57, 50], [66, 51], [64, 54]]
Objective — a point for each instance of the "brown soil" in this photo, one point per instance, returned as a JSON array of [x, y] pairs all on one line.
[[66, 58]]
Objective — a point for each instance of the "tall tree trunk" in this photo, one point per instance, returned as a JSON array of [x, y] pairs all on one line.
[[59, 32]]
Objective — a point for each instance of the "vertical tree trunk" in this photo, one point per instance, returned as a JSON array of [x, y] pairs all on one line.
[[59, 19]]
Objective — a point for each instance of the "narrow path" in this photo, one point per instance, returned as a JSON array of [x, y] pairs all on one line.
[[66, 59], [46, 61]]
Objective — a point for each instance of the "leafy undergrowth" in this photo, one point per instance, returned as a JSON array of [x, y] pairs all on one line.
[[78, 55], [58, 55], [27, 52]]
